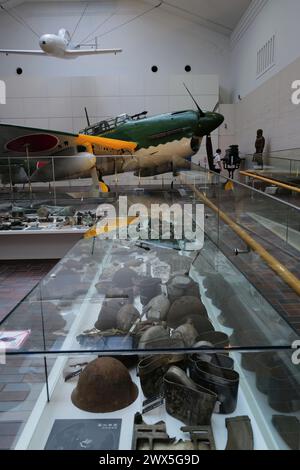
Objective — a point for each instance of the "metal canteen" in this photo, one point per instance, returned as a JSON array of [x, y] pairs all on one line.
[[184, 308], [187, 333], [185, 400], [157, 309], [126, 317], [152, 369], [107, 318], [223, 382]]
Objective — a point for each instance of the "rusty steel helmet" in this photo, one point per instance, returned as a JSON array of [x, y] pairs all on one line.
[[104, 386], [184, 308], [126, 317]]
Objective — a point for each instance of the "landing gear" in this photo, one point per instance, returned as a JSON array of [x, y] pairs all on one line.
[[98, 185]]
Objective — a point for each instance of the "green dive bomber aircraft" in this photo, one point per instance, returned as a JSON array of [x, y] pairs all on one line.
[[144, 145]]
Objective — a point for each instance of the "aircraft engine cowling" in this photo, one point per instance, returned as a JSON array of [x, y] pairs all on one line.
[[79, 165]]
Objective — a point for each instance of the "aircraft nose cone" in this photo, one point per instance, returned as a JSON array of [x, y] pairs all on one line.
[[43, 41], [46, 43], [213, 121], [219, 119]]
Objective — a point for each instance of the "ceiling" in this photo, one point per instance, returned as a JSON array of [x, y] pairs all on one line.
[[218, 15]]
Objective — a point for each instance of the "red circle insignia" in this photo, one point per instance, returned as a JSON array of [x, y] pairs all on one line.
[[33, 142]]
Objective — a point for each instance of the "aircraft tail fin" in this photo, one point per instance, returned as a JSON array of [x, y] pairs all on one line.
[[63, 33]]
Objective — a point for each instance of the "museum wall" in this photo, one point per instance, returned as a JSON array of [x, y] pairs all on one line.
[[264, 19], [265, 99], [270, 107]]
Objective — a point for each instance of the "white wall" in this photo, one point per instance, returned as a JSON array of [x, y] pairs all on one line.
[[279, 17], [270, 107], [159, 38], [266, 101]]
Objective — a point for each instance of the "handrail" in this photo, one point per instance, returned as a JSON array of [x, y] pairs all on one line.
[[288, 277], [243, 185], [253, 175], [287, 159]]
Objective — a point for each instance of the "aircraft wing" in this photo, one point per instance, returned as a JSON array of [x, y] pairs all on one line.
[[16, 141], [83, 52], [22, 52]]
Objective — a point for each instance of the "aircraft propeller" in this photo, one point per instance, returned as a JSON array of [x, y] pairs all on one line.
[[209, 147]]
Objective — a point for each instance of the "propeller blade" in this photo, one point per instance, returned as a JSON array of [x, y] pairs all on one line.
[[202, 114], [216, 107], [210, 152]]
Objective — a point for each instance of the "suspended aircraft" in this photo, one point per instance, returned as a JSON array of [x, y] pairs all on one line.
[[144, 145], [59, 45]]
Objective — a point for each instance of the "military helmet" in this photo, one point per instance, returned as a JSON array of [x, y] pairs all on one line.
[[124, 278], [104, 386], [148, 288], [184, 308], [182, 285]]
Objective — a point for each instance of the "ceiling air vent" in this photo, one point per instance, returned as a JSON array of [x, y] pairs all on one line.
[[266, 57]]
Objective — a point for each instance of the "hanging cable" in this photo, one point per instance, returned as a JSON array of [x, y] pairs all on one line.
[[79, 21], [98, 27], [184, 10], [20, 20], [130, 20]]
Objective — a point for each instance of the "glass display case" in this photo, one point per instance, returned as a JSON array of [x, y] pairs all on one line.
[[128, 344]]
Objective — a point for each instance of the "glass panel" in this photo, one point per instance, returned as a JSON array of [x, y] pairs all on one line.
[[22, 389], [114, 296]]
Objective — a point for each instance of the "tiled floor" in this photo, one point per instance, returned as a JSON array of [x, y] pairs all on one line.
[[21, 379], [17, 279]]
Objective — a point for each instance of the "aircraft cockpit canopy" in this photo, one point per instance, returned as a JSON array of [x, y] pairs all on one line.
[[110, 124]]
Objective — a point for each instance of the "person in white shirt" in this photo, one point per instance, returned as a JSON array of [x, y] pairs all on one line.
[[217, 161]]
